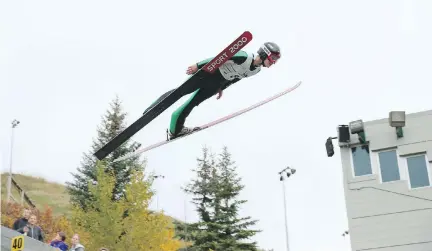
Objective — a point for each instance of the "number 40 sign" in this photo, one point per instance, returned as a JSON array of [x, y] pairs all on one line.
[[17, 243]]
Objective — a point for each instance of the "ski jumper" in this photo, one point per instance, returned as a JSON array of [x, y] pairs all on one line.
[[238, 67]]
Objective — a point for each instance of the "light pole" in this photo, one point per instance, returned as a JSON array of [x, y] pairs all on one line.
[[288, 171], [15, 123], [185, 220], [157, 196]]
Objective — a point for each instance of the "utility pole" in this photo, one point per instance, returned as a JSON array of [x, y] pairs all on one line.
[[288, 171], [15, 123]]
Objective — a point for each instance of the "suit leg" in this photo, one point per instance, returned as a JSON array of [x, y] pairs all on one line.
[[191, 87], [179, 116]]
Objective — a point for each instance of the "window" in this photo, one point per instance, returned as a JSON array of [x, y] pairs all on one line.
[[418, 171], [361, 160], [389, 168]]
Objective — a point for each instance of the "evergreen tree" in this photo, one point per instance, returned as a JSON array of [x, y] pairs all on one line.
[[234, 229], [216, 190], [113, 122], [202, 188]]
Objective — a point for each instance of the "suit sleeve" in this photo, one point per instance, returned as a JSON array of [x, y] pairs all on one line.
[[240, 57], [200, 64]]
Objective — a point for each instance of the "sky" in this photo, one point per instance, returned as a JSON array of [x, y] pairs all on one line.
[[63, 62]]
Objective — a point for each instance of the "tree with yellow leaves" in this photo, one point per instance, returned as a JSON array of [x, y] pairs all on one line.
[[125, 223]]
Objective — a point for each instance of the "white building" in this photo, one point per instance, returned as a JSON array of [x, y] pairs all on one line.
[[388, 182]]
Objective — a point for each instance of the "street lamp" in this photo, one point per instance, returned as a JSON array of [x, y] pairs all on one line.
[[15, 123], [346, 232], [329, 146], [288, 172], [157, 196]]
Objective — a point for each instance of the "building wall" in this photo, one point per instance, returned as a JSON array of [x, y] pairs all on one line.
[[388, 186]]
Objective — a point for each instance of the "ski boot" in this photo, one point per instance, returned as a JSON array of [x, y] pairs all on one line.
[[184, 131]]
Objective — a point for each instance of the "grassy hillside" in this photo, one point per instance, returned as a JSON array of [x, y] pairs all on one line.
[[43, 193], [40, 191]]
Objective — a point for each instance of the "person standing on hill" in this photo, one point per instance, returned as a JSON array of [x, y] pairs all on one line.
[[32, 230], [23, 221]]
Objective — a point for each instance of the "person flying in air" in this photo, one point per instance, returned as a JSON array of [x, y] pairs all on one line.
[[241, 65]]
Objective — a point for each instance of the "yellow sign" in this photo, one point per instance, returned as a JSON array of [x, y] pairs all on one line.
[[17, 243]]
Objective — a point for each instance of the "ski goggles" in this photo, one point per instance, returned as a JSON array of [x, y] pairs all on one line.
[[272, 57]]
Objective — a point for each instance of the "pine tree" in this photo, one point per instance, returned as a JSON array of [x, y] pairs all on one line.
[[234, 229], [216, 190], [202, 188], [113, 122]]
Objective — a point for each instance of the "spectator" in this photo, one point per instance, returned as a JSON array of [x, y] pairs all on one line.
[[59, 243], [31, 230], [21, 222], [76, 246]]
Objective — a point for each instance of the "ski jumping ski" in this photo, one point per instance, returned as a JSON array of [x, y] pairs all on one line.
[[162, 105], [208, 125]]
